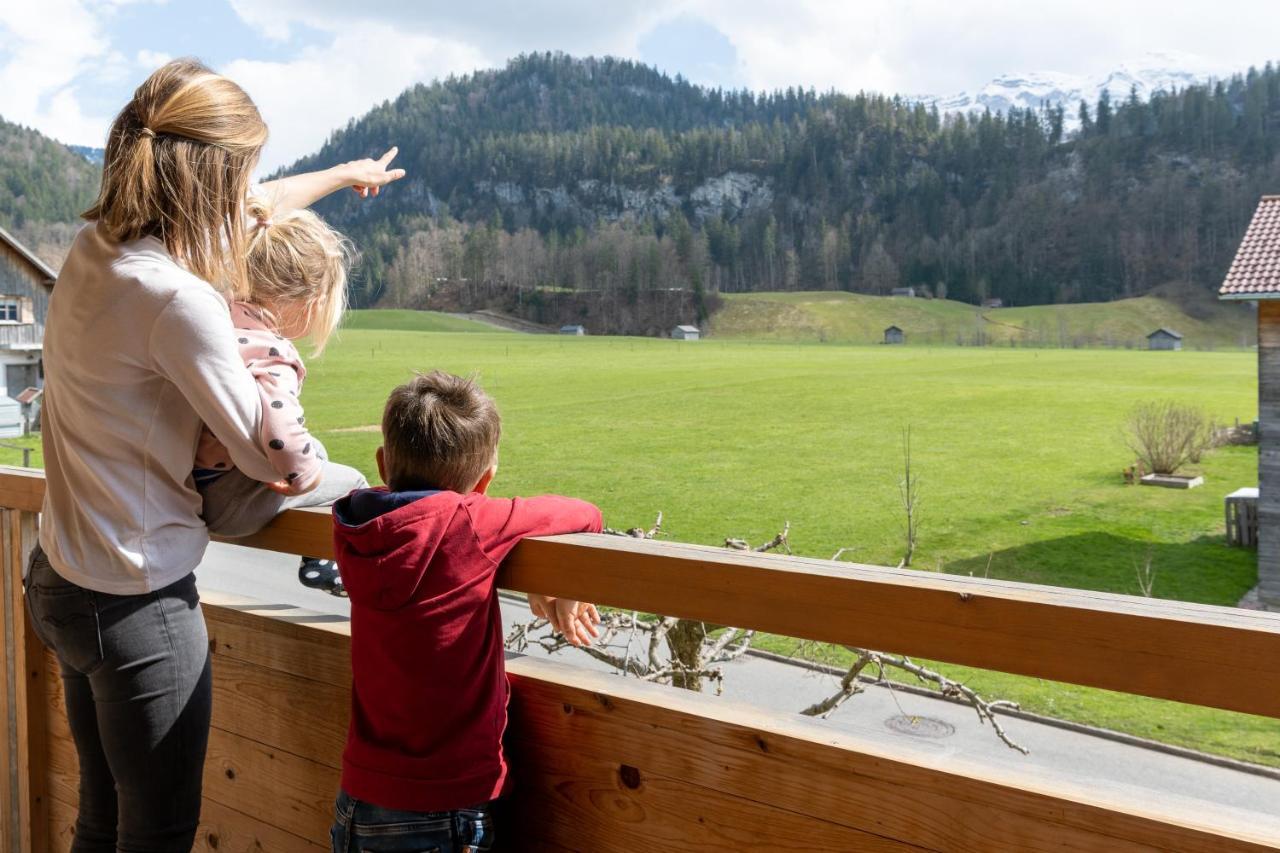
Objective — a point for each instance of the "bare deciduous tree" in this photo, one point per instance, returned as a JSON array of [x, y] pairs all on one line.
[[1165, 435], [689, 653], [909, 492]]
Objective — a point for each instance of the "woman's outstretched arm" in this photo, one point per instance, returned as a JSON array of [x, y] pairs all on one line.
[[366, 177]]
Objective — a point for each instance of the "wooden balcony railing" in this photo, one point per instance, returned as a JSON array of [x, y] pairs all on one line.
[[608, 764]]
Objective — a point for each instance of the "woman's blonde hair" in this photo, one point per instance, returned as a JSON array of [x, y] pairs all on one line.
[[177, 167], [297, 262]]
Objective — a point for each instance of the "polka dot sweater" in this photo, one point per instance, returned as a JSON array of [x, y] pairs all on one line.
[[278, 369]]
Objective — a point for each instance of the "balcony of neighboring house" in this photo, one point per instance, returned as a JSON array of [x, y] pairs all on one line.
[[607, 763]]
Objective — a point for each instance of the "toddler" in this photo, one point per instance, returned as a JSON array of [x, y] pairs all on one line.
[[297, 269]]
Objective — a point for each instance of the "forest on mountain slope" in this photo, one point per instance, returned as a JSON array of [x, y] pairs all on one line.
[[43, 189], [606, 175]]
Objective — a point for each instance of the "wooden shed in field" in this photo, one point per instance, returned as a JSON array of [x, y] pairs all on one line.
[[1255, 275], [573, 329], [894, 335], [686, 333], [1164, 339], [26, 283]]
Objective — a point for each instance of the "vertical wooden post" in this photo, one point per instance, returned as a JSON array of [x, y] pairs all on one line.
[[24, 819], [1269, 452]]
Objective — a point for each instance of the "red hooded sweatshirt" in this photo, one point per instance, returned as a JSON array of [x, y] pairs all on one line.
[[429, 688]]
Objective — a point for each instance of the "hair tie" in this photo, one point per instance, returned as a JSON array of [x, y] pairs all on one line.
[[148, 132], [264, 222]]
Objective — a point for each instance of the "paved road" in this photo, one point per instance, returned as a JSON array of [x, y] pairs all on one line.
[[954, 731]]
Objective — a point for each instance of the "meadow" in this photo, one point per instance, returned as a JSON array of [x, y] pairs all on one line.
[[1019, 454], [839, 317]]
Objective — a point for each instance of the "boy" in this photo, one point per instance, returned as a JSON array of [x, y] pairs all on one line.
[[418, 560]]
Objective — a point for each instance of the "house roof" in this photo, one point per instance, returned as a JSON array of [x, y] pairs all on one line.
[[30, 395], [41, 268], [1170, 332], [893, 329], [687, 328], [1255, 272]]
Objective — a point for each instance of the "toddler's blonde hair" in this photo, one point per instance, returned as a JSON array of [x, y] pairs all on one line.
[[296, 259]]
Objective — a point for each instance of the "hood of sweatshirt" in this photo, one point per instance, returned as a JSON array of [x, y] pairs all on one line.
[[386, 540]]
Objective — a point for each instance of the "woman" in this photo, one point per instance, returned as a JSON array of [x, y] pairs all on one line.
[[139, 352]]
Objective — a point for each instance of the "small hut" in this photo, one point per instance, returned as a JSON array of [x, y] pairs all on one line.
[[993, 302], [894, 335], [909, 292], [1255, 275], [574, 329], [686, 333], [1164, 339]]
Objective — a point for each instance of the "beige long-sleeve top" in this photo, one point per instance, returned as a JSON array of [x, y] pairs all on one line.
[[138, 354]]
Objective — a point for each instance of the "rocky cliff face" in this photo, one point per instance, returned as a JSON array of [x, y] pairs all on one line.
[[590, 201]]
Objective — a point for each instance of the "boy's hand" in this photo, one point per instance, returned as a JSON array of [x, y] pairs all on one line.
[[577, 621]]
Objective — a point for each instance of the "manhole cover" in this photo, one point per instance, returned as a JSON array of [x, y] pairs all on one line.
[[920, 726]]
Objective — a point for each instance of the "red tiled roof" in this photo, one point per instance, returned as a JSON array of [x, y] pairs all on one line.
[[1255, 272]]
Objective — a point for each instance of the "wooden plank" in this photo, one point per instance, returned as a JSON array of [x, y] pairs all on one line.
[[282, 711], [21, 488], [30, 699], [583, 799], [803, 766], [222, 830], [279, 636], [23, 821], [269, 785], [1213, 656], [10, 667], [268, 799]]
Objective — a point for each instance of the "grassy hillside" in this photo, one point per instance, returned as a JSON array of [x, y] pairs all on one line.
[[411, 321], [839, 317]]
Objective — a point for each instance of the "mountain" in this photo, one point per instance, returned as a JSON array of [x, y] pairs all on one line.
[[43, 189], [1153, 72], [605, 176], [93, 155]]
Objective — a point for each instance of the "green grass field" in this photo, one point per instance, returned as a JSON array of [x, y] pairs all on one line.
[[1019, 453], [839, 317]]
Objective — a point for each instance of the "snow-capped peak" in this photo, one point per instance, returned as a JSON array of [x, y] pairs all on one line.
[[1153, 72]]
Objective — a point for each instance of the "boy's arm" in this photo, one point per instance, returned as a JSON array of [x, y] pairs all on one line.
[[502, 522], [500, 525], [366, 177]]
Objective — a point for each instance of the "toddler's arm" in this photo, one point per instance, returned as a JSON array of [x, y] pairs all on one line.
[[288, 443]]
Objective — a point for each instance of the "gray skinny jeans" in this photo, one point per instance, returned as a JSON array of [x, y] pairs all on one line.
[[135, 671], [236, 505]]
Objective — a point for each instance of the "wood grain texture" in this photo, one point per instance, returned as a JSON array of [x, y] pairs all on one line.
[[1213, 656], [800, 765], [578, 797]]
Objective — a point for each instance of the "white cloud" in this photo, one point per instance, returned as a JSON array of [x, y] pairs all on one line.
[[46, 46], [305, 98], [149, 60]]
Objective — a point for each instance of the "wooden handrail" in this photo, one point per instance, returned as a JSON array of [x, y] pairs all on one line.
[[1213, 656]]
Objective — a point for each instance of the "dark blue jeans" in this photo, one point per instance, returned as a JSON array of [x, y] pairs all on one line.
[[135, 670], [361, 827]]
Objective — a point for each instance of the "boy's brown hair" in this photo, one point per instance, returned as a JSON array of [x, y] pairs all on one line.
[[439, 431]]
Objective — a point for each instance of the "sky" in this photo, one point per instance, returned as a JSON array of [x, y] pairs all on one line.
[[67, 66]]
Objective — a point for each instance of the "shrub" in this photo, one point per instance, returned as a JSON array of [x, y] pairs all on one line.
[[1166, 435]]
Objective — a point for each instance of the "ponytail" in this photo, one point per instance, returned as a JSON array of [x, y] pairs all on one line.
[[177, 168]]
